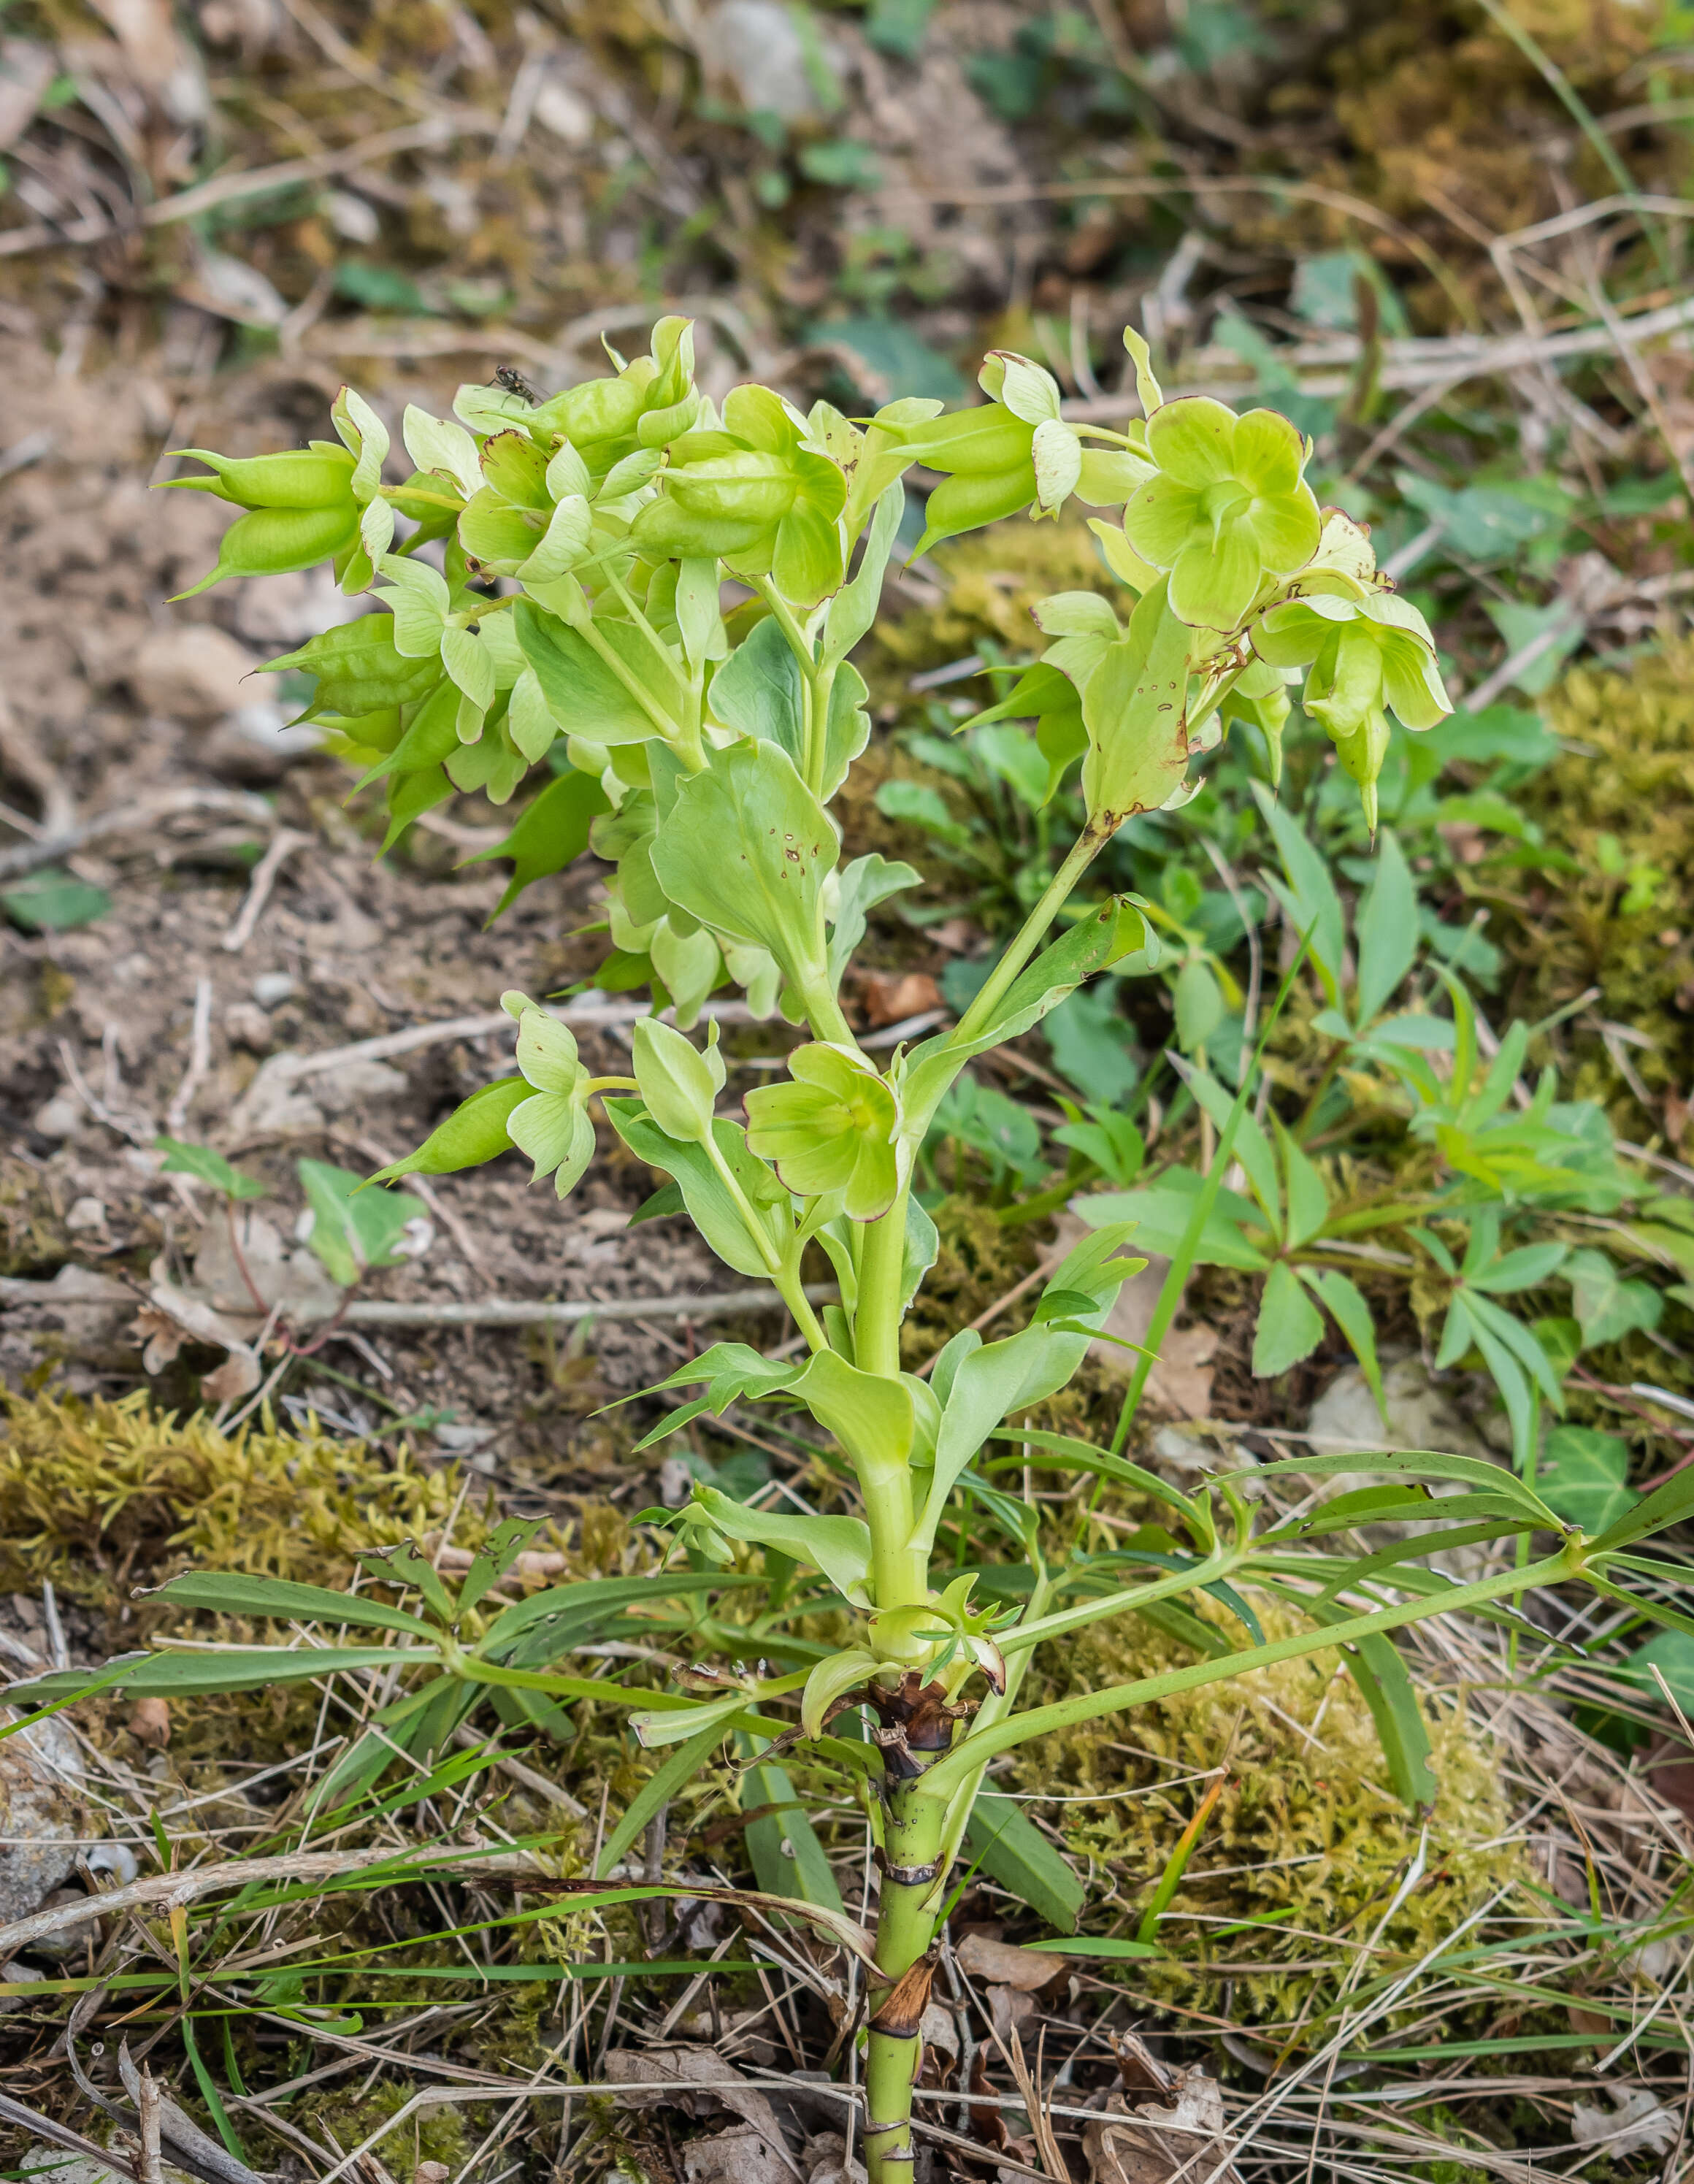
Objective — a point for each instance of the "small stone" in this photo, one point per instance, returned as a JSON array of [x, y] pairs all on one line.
[[757, 45], [354, 218], [149, 1722], [41, 1815], [357, 1083], [255, 742], [86, 1215], [247, 1025], [61, 1117], [562, 112], [192, 671], [272, 987]]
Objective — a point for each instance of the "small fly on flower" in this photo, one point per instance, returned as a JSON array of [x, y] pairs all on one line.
[[512, 380]]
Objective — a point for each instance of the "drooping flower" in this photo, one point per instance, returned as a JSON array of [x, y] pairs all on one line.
[[1363, 657], [552, 1126], [832, 1128]]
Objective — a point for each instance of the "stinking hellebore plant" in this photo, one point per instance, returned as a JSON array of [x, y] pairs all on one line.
[[583, 547]]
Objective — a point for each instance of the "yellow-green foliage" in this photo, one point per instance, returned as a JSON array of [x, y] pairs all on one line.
[[1621, 803], [980, 1260], [97, 1496], [1306, 1828]]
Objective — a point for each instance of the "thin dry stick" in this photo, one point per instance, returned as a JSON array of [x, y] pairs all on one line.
[[152, 2169], [254, 181], [137, 1128], [52, 847], [283, 844], [199, 1062], [992, 1311]]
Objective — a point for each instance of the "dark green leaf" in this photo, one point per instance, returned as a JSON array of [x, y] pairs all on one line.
[[1013, 1851], [552, 832], [53, 901], [232, 1593], [1377, 1667], [786, 1856]]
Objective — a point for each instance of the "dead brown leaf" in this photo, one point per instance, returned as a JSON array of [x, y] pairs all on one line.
[[1001, 1964], [1152, 2143], [672, 2076], [237, 1376], [890, 996], [739, 2156], [149, 1722]]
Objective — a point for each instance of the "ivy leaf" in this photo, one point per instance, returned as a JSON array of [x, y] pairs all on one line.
[[1607, 1306], [354, 1229], [1583, 1475]]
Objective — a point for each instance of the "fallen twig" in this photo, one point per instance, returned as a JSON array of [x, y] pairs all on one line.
[[254, 181], [175, 1889], [501, 1312], [513, 1312], [199, 1062], [283, 844], [171, 802]]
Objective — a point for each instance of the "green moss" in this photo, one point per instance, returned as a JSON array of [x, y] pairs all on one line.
[[1307, 1833], [1620, 803], [98, 1495], [347, 2120]]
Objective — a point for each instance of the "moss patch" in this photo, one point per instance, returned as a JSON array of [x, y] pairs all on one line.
[[1307, 1833]]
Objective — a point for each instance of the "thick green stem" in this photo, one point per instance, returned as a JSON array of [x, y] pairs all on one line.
[[905, 1926], [1088, 845]]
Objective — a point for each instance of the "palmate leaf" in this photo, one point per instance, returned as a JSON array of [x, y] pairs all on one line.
[[1384, 1683], [1418, 1463], [584, 1609], [946, 1775], [657, 1790], [1082, 1455]]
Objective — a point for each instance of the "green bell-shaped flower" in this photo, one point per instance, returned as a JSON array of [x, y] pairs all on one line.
[[643, 405], [832, 1129], [552, 1126], [1228, 508], [758, 492], [1363, 656], [301, 510], [997, 458]]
